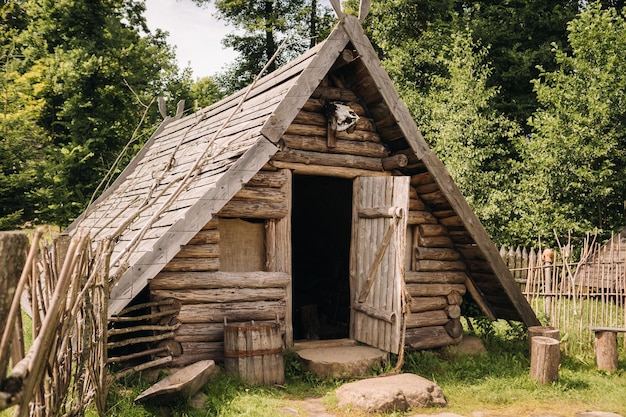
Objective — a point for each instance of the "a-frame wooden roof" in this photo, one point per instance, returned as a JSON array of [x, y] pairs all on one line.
[[192, 166]]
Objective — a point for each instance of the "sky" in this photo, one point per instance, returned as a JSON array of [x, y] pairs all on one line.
[[195, 33]]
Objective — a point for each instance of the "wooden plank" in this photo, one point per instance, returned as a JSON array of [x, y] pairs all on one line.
[[376, 269], [607, 329]]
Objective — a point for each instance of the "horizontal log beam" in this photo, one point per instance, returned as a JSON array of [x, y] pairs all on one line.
[[254, 209], [419, 304], [435, 277], [435, 241], [222, 295], [427, 318], [205, 280], [308, 130], [205, 237], [326, 159], [428, 338], [430, 230], [437, 254], [327, 171], [191, 264], [211, 250], [421, 217], [433, 290], [217, 313], [261, 193], [334, 93], [350, 147], [394, 162], [271, 179], [319, 119], [433, 265]]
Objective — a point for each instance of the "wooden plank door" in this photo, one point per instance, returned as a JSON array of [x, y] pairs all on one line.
[[377, 251]]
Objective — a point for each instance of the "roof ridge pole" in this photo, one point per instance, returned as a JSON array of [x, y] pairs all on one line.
[[364, 9], [337, 6]]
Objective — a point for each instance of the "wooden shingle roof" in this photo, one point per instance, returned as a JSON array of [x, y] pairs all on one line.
[[192, 166]]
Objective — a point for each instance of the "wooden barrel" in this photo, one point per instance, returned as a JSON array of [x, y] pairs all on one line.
[[254, 351]]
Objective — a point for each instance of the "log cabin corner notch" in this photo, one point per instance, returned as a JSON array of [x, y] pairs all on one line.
[[251, 215]]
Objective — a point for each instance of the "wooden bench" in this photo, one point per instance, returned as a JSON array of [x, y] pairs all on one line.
[[606, 346]]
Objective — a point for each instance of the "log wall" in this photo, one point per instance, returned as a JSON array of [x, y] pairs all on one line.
[[435, 278], [208, 295]]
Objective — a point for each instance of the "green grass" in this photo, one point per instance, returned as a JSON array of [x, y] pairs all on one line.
[[496, 383]]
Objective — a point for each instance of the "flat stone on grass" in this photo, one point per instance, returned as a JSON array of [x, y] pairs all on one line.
[[397, 392]]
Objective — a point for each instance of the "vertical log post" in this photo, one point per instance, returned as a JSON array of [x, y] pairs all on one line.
[[548, 258], [13, 251], [545, 356], [606, 350]]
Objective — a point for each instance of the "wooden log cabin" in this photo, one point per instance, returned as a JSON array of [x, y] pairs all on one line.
[[258, 208]]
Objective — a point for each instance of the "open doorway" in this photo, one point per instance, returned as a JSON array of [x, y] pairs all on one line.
[[321, 230]]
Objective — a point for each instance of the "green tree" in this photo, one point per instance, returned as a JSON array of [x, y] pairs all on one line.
[[576, 159], [205, 92], [518, 33], [20, 136], [458, 119], [93, 64], [262, 26]]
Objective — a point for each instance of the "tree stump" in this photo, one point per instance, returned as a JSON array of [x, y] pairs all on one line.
[[606, 350], [545, 331], [545, 356]]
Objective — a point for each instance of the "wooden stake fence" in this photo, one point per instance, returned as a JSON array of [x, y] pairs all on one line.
[[65, 368], [573, 294]]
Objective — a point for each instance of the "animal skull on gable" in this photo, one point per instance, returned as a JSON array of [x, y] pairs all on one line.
[[341, 116]]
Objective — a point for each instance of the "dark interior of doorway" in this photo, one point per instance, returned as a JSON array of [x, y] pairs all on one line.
[[321, 229]]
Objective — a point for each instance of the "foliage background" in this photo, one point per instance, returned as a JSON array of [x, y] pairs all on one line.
[[522, 100]]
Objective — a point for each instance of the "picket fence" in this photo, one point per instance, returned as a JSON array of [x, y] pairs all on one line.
[[574, 288]]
